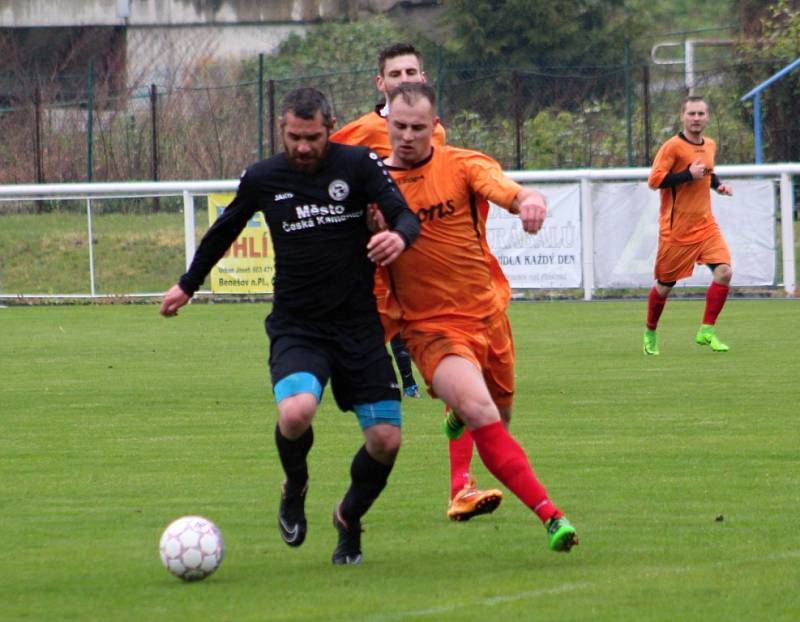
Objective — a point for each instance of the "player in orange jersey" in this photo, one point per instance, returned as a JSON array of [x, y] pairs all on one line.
[[688, 233], [452, 314], [399, 63]]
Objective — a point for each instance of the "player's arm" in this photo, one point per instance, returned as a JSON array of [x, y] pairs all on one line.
[[403, 225], [212, 247], [662, 168], [487, 179], [531, 206], [720, 187]]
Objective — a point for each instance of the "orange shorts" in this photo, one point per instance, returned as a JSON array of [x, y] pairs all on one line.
[[488, 344], [677, 262]]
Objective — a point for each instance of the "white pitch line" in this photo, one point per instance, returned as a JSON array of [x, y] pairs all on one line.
[[568, 587]]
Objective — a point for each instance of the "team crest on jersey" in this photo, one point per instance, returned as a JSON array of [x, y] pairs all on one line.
[[338, 190]]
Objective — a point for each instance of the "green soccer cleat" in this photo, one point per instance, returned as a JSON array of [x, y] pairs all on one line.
[[707, 336], [562, 534], [650, 343], [453, 426]]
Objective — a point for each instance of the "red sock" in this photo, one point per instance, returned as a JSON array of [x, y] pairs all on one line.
[[460, 460], [507, 461], [655, 305], [716, 295]]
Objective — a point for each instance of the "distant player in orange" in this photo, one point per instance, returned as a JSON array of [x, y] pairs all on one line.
[[452, 314], [688, 233], [399, 63]]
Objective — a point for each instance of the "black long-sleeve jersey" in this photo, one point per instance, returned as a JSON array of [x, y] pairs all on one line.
[[318, 227]]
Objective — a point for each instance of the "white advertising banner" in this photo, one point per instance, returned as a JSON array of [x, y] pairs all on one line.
[[626, 233], [549, 259]]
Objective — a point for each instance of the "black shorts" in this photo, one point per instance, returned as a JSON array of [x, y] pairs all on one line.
[[352, 354]]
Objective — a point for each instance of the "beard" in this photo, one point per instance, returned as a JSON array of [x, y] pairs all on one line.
[[306, 166], [309, 164]]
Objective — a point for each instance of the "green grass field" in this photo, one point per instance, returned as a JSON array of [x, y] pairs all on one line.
[[681, 473]]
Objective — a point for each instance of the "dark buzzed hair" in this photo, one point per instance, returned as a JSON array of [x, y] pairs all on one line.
[[397, 49], [411, 92], [691, 99], [305, 102]]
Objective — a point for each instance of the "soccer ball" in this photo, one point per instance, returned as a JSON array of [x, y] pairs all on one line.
[[191, 548]]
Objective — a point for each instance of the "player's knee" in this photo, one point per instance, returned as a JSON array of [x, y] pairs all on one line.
[[383, 442], [295, 414], [723, 274], [478, 412]]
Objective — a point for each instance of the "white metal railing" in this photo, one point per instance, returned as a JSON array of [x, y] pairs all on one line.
[[189, 189]]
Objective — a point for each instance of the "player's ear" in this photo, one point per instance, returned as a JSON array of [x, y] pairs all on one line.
[[435, 122], [424, 76], [379, 83]]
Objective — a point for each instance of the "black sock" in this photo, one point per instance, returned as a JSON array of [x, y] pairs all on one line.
[[293, 457], [368, 479], [403, 360]]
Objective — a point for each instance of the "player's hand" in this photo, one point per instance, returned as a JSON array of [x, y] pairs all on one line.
[[173, 300], [384, 247], [725, 189], [532, 209], [697, 169]]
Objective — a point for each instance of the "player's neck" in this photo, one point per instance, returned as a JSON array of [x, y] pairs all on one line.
[[397, 162], [693, 137]]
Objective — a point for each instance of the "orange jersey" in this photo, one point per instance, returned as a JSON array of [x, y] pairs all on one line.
[[685, 215], [371, 131], [449, 270]]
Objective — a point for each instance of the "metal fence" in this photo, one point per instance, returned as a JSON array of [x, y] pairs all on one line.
[[213, 124], [105, 254]]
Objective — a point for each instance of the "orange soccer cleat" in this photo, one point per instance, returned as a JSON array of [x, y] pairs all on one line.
[[469, 502]]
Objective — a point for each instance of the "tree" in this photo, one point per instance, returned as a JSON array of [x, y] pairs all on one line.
[[772, 40], [535, 34]]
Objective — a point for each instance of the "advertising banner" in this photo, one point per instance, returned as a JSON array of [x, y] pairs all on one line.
[[626, 233], [550, 259], [248, 265]]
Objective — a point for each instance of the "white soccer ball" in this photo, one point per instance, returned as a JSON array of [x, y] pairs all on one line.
[[191, 548]]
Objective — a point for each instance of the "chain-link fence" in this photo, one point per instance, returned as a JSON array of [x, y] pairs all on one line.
[[213, 124]]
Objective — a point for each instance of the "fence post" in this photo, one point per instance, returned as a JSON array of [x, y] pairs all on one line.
[[646, 109], [90, 169], [188, 227], [271, 102], [261, 106], [92, 287], [37, 135], [787, 234], [38, 156], [154, 139], [628, 102], [440, 81], [517, 104], [587, 238], [89, 121]]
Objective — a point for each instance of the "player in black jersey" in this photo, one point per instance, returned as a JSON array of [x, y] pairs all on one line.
[[324, 323]]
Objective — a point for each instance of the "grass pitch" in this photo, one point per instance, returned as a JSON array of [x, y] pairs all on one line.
[[680, 472]]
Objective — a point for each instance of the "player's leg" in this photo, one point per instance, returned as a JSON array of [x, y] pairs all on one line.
[[299, 371], [369, 473], [403, 360], [672, 264], [364, 382], [656, 301], [460, 384], [716, 255], [294, 437], [466, 499]]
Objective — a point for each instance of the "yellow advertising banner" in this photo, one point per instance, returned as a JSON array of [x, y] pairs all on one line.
[[248, 265]]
